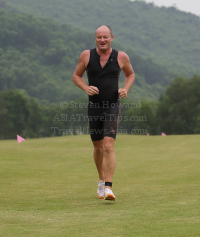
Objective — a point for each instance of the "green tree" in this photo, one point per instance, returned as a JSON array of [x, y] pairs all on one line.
[[14, 113], [36, 119], [178, 110]]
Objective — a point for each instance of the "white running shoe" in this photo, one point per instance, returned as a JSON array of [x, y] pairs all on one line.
[[109, 195], [100, 190]]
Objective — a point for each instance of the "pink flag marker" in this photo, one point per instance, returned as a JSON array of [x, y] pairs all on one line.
[[163, 134], [20, 139]]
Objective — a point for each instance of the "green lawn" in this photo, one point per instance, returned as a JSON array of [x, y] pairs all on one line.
[[49, 188]]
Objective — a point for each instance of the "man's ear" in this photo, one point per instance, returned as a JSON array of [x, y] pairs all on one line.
[[112, 37]]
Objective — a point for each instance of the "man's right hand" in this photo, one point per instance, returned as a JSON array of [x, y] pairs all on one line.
[[92, 90]]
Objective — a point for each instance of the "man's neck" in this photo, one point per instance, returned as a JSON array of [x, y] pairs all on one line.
[[105, 53]]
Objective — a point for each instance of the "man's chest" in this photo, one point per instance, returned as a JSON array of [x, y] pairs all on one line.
[[104, 60]]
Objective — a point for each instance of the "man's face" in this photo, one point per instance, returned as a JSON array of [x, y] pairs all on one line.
[[103, 38]]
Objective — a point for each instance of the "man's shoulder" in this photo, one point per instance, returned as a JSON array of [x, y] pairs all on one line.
[[85, 55], [122, 56]]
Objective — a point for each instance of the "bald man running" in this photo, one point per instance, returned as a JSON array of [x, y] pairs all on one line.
[[103, 65]]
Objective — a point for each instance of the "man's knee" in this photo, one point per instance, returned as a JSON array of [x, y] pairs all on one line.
[[98, 146], [98, 149], [108, 147]]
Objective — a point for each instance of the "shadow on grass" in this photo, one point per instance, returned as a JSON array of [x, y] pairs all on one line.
[[108, 203]]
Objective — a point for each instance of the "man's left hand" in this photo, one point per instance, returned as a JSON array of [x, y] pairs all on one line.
[[122, 93]]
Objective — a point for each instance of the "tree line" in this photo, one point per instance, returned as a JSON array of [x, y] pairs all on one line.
[[176, 112]]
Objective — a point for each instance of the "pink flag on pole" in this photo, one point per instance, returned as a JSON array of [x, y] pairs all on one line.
[[20, 139], [163, 134]]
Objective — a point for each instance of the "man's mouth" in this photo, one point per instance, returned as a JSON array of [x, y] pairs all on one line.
[[102, 44]]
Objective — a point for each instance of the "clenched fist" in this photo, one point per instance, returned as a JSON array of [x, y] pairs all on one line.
[[122, 93], [92, 90]]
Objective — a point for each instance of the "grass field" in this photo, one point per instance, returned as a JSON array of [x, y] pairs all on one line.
[[49, 188]]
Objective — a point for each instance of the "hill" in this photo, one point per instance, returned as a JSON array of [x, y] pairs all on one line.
[[166, 35], [39, 56]]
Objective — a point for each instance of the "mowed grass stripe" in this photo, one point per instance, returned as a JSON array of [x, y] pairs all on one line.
[[49, 188]]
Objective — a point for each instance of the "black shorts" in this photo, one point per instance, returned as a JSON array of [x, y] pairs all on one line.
[[103, 121]]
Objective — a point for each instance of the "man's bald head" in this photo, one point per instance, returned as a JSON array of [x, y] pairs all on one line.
[[102, 27]]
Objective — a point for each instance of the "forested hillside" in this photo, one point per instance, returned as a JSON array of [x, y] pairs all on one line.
[[166, 35], [39, 56]]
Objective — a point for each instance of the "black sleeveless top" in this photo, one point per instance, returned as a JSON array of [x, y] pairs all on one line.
[[106, 79]]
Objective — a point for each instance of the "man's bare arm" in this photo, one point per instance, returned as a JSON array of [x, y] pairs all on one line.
[[79, 71], [129, 74]]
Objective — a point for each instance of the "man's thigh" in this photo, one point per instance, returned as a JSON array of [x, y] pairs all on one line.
[[96, 129]]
